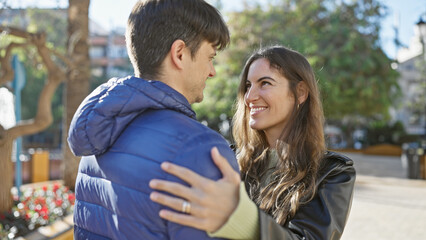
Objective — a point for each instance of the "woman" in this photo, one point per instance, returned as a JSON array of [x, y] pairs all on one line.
[[299, 190]]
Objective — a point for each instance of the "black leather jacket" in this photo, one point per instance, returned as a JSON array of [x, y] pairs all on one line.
[[325, 216]]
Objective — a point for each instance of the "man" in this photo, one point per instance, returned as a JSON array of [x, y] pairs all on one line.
[[127, 127]]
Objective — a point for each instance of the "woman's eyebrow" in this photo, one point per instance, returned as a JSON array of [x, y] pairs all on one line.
[[265, 77], [262, 78]]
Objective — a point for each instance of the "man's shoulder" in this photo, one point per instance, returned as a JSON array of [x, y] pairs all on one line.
[[167, 135], [172, 123], [168, 129]]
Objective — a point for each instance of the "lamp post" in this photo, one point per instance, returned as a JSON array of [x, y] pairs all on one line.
[[422, 32]]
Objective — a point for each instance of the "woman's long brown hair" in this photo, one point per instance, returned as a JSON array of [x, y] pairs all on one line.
[[300, 147]]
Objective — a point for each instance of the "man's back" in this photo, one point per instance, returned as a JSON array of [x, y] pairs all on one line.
[[112, 187]]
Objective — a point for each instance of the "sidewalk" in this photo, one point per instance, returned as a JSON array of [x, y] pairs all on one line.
[[385, 205]]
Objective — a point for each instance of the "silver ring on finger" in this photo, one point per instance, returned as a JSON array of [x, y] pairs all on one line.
[[186, 207]]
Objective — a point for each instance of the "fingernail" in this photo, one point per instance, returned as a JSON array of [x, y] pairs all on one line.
[[163, 214], [215, 151], [153, 196], [152, 183], [165, 165]]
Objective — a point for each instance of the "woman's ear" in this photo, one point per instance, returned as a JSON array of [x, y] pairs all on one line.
[[302, 92], [177, 51]]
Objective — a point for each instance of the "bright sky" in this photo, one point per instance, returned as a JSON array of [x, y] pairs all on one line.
[[114, 13]]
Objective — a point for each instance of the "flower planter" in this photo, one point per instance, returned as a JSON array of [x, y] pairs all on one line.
[[59, 230], [44, 211]]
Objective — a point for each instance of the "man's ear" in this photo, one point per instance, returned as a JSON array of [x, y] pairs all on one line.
[[302, 92], [177, 52]]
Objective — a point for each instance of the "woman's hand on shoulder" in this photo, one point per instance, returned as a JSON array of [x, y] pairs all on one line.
[[211, 202]]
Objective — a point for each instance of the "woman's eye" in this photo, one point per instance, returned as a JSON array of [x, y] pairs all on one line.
[[265, 83]]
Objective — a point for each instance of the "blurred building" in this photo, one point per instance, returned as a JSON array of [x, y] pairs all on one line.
[[108, 53], [412, 81]]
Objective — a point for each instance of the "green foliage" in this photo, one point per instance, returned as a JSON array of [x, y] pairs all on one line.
[[53, 22], [339, 38], [356, 77], [219, 95], [380, 132]]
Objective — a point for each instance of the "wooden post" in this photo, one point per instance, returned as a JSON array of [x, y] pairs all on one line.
[[40, 166], [423, 166]]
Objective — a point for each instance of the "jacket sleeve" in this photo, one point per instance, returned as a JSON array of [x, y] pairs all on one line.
[[195, 155], [324, 217]]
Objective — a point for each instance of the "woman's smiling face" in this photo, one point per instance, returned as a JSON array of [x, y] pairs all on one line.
[[268, 98]]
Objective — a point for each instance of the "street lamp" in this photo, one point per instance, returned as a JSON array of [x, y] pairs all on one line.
[[422, 32]]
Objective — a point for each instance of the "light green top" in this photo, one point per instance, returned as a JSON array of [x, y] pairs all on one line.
[[244, 221]]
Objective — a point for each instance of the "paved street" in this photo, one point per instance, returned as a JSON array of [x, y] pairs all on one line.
[[386, 205]]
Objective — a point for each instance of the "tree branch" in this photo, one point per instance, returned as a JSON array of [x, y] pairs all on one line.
[[15, 32], [6, 71], [39, 41]]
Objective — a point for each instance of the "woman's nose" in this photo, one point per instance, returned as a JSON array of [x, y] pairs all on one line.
[[251, 94]]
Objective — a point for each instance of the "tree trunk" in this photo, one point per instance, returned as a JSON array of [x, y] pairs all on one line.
[[77, 86], [6, 166]]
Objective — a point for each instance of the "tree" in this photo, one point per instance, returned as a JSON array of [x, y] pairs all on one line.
[[77, 86], [56, 73], [75, 68], [340, 40]]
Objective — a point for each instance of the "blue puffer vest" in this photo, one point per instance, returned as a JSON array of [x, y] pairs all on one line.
[[124, 130]]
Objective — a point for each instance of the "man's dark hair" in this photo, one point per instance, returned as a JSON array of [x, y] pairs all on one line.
[[154, 25]]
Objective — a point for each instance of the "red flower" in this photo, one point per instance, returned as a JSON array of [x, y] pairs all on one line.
[[56, 186], [71, 197], [41, 201], [44, 212], [58, 202], [44, 188]]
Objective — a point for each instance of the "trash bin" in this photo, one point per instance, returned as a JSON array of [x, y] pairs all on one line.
[[423, 160], [412, 155], [423, 165]]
